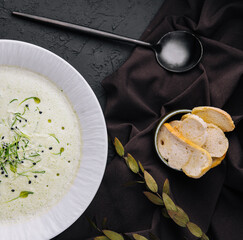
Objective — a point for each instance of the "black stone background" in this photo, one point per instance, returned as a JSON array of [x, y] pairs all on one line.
[[94, 58]]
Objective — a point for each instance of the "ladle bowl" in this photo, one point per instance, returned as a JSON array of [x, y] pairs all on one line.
[[176, 51]]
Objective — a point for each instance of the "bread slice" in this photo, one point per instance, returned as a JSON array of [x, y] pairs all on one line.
[[182, 153], [175, 124], [216, 143], [185, 116], [217, 161], [194, 129], [216, 116]]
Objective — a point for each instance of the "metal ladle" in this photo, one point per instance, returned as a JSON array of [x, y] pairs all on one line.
[[176, 51]]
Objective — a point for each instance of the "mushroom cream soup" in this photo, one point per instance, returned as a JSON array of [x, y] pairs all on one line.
[[40, 144]]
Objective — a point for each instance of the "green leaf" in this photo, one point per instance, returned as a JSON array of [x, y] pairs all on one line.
[[166, 187], [25, 194], [150, 182], [113, 235], [139, 237], [141, 166], [13, 168], [179, 216], [169, 204], [154, 198], [204, 237], [119, 148], [194, 229], [101, 238], [132, 163]]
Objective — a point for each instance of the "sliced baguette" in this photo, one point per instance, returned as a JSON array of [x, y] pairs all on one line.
[[175, 124], [216, 143], [194, 129], [216, 116], [217, 161], [182, 153]]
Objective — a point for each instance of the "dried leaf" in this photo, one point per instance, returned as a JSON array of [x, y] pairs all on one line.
[[139, 237], [165, 213], [154, 198], [119, 147], [194, 229], [152, 236], [150, 182], [166, 187], [204, 237], [93, 224], [179, 217], [126, 237], [141, 166], [132, 183], [113, 235], [104, 223], [101, 238], [132, 163], [169, 204]]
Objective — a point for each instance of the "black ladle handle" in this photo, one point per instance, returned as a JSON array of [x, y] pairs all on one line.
[[84, 29]]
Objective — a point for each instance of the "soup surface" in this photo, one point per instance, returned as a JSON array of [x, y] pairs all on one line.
[[40, 144]]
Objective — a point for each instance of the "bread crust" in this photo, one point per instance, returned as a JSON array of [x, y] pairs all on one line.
[[216, 116]]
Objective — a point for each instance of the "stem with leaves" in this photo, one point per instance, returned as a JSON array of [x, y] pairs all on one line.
[[164, 200]]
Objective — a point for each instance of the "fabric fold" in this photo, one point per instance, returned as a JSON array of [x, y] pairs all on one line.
[[141, 92]]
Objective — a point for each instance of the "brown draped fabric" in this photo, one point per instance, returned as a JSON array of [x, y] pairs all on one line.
[[141, 92]]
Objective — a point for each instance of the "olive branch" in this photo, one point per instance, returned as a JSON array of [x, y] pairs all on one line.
[[168, 208]]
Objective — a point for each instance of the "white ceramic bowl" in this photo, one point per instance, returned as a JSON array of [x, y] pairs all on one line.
[[94, 136]]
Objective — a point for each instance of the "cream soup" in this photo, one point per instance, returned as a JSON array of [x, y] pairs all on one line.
[[40, 144]]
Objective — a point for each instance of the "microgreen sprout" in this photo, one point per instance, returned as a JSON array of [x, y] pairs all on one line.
[[23, 194], [54, 136], [36, 99]]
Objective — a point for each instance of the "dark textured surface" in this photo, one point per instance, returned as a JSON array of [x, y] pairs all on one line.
[[93, 58]]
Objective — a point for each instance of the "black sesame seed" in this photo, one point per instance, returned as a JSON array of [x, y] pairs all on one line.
[[26, 105], [2, 172], [40, 112], [2, 137], [18, 147], [34, 163], [6, 175], [26, 120], [12, 190], [16, 127], [42, 151], [35, 176], [29, 182], [20, 120], [12, 128], [22, 161], [1, 168], [16, 157], [50, 148]]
